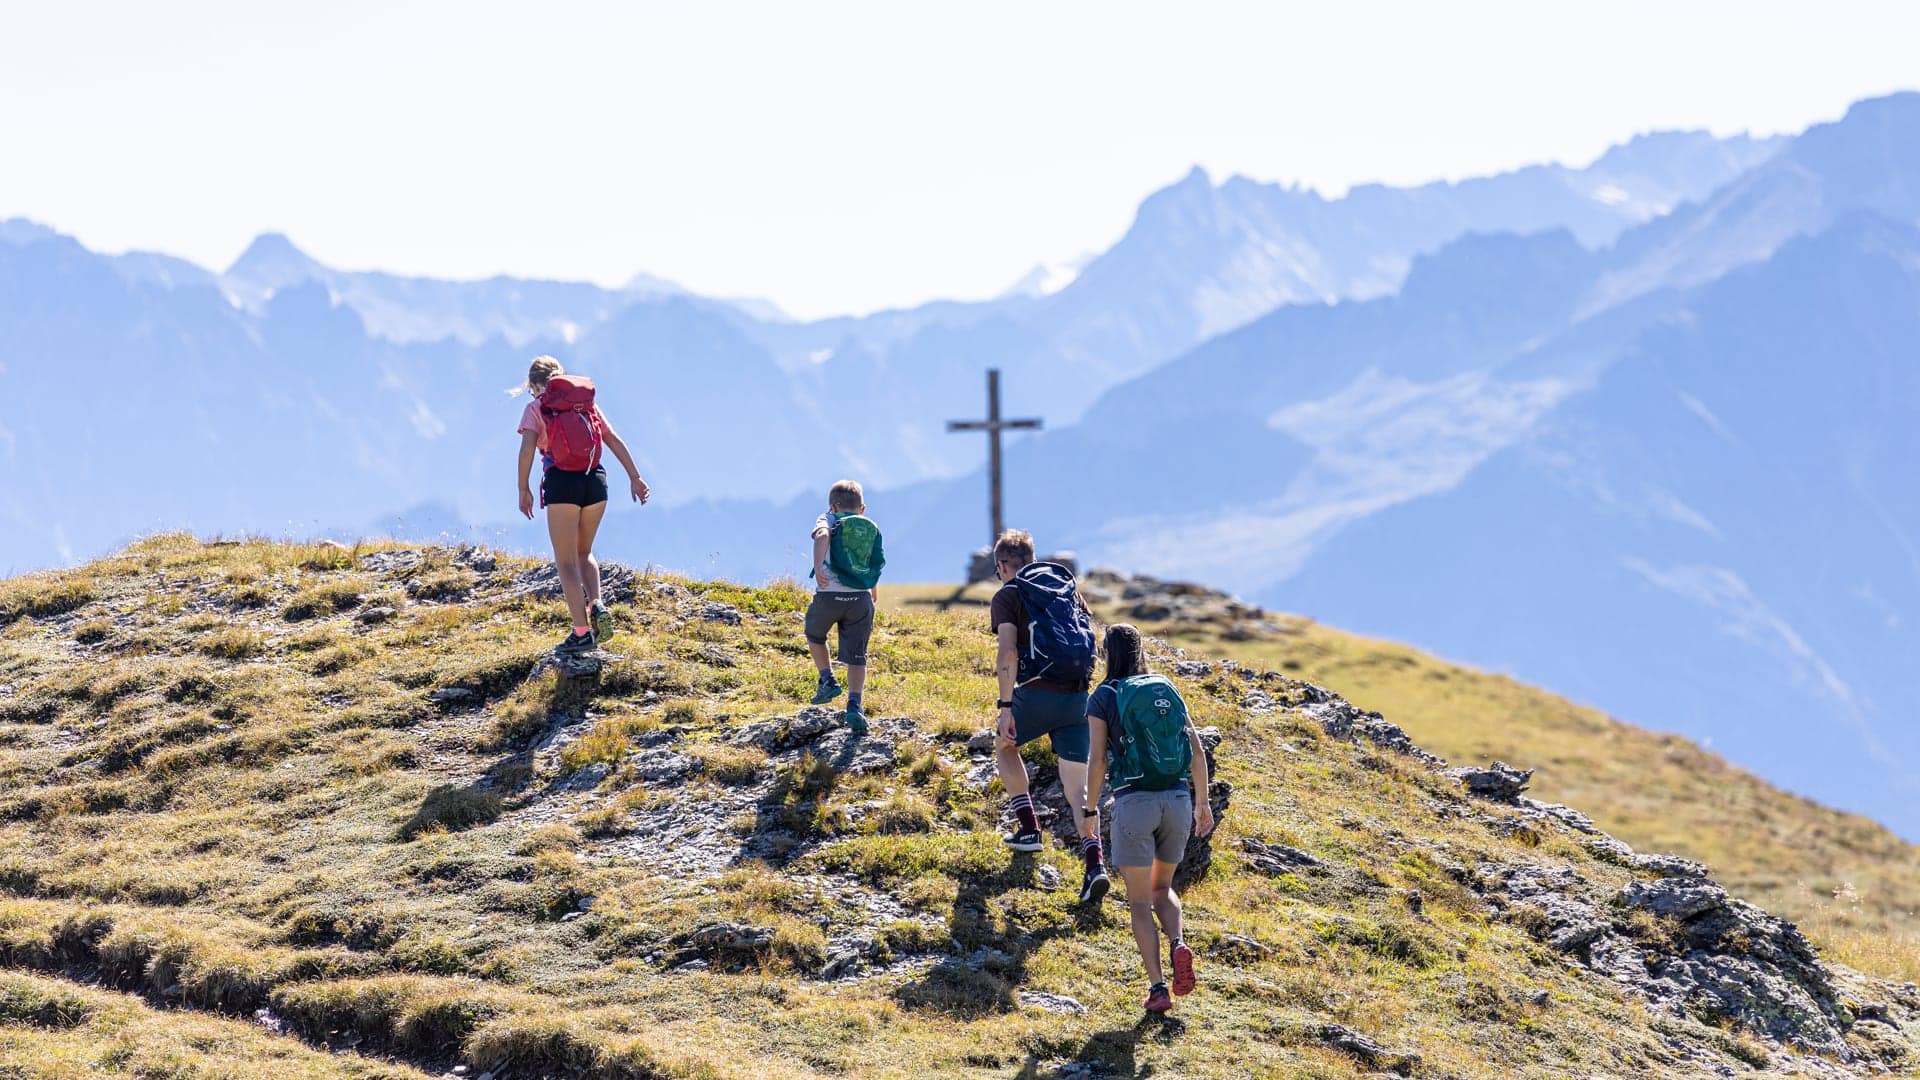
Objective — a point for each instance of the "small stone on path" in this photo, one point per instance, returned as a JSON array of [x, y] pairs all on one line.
[[1054, 1003]]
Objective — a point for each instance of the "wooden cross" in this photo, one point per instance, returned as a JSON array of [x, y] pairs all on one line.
[[993, 426]]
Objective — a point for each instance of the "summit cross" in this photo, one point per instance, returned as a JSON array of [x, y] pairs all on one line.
[[993, 425]]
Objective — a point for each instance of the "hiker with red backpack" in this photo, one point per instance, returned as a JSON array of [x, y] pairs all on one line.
[[1045, 664], [1138, 728], [565, 426]]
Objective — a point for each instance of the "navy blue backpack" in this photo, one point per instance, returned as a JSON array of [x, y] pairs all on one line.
[[1060, 636]]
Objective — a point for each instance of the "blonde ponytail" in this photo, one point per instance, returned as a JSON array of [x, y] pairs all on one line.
[[538, 372]]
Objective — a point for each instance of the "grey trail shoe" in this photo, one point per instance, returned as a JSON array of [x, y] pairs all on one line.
[[826, 691]]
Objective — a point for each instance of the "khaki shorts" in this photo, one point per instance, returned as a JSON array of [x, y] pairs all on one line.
[[1151, 826], [852, 612]]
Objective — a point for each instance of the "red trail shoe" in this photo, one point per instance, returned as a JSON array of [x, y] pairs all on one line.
[[1183, 979], [1158, 1000]]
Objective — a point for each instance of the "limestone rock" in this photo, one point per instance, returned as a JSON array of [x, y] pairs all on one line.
[[1727, 959], [390, 563], [715, 611], [617, 582], [787, 732], [587, 778], [661, 767], [1238, 949], [1496, 781], [480, 560], [723, 945], [1674, 898], [1668, 866], [1342, 1037], [1342, 720], [1150, 599], [1053, 1003], [1275, 858]]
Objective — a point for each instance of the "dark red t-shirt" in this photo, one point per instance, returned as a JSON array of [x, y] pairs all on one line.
[[1007, 607]]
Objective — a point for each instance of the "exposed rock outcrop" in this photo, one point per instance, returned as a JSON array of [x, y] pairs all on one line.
[[1141, 598]]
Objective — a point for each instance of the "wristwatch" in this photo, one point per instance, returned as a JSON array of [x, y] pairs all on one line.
[[1003, 705]]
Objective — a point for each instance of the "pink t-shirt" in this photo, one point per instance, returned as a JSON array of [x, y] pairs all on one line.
[[531, 420]]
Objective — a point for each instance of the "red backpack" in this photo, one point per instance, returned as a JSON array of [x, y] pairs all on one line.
[[574, 429]]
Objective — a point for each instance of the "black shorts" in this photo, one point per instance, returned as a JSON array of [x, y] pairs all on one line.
[[574, 488], [852, 612]]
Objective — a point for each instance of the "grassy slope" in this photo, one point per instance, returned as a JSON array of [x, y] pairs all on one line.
[[1852, 886], [220, 792]]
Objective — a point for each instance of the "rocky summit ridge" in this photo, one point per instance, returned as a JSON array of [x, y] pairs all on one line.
[[317, 811]]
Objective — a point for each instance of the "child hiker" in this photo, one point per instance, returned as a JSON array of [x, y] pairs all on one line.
[[566, 427], [1138, 726], [847, 560]]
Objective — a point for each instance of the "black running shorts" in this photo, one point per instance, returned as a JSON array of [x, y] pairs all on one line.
[[574, 488]]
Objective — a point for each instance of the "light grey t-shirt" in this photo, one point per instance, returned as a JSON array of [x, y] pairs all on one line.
[[823, 578]]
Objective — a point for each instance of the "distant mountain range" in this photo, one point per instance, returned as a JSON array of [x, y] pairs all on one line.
[[1671, 475], [387, 385], [1638, 431]]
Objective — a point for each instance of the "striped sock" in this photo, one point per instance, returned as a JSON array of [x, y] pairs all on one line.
[[1022, 807], [1090, 851]]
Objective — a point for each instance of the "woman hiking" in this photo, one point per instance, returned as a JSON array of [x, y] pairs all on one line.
[[1137, 724], [566, 427]]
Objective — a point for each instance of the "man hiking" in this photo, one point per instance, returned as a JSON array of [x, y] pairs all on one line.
[[1139, 730], [1045, 664]]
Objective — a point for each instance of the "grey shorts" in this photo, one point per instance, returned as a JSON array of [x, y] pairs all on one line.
[[852, 612], [1151, 826]]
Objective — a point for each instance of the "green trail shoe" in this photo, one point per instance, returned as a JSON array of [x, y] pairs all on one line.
[[825, 692], [856, 720], [602, 619]]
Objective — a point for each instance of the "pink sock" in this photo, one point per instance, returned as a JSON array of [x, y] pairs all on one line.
[[581, 631]]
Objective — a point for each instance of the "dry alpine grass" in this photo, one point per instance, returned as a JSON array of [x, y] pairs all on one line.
[[225, 799]]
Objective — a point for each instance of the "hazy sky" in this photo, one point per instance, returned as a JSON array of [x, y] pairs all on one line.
[[837, 156]]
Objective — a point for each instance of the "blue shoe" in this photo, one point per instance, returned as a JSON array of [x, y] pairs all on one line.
[[856, 720], [826, 692]]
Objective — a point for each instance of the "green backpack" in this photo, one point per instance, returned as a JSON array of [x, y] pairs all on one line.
[[1151, 750], [854, 552]]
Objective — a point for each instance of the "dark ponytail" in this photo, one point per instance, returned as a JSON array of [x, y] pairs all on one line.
[[1126, 657]]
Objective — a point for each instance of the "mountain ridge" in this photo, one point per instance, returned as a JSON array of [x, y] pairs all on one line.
[[347, 793]]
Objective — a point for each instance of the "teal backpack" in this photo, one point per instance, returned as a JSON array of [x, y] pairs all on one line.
[[1151, 751], [854, 552]]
